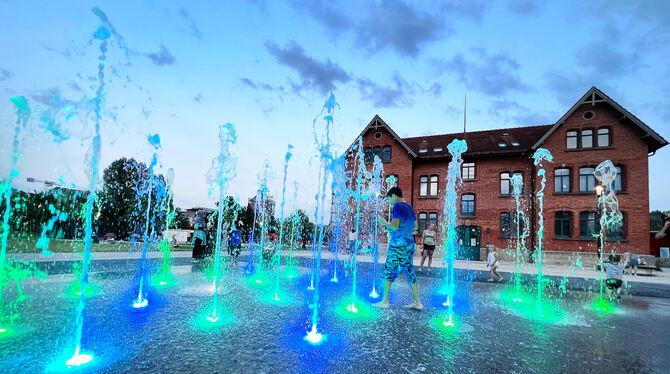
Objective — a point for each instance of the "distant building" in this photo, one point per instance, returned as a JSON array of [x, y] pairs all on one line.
[[594, 129]]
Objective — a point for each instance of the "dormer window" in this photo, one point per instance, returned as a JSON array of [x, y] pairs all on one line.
[[437, 149], [424, 150], [515, 144], [502, 144]]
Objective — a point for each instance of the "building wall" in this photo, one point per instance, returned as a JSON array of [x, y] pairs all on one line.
[[627, 150]]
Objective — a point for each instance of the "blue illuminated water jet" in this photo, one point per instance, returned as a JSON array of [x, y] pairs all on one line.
[[540, 155]]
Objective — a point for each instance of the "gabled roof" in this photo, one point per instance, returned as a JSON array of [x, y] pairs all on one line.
[[593, 96], [378, 122], [488, 142]]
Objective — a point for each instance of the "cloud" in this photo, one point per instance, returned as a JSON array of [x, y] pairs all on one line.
[[5, 74], [194, 31], [473, 9], [523, 7], [260, 85], [395, 25], [605, 60], [516, 114], [490, 74], [397, 95], [567, 88], [325, 13], [314, 74], [162, 58], [398, 26]]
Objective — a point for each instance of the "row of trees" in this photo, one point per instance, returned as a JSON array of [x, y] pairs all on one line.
[[121, 208]]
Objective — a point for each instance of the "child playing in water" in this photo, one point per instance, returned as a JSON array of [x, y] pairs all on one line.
[[614, 275], [493, 264]]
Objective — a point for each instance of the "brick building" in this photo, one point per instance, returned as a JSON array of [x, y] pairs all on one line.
[[594, 129]]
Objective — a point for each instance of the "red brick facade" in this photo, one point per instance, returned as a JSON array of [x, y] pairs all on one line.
[[630, 144]]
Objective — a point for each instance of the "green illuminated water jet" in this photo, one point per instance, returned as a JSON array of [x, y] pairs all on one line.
[[454, 180], [22, 117], [540, 155], [281, 220], [223, 167], [169, 207]]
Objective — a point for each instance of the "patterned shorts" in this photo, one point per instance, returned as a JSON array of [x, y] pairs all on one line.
[[400, 257]]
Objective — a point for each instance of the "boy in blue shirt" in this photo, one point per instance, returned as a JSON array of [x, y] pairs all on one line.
[[400, 252]]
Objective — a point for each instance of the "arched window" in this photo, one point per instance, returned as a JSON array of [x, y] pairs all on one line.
[[562, 180], [423, 186], [587, 181], [505, 186], [505, 225], [467, 205], [422, 222], [432, 219], [386, 154], [433, 185], [563, 225], [587, 224]]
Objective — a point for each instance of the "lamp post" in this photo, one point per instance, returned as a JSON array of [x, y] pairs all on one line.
[[599, 191]]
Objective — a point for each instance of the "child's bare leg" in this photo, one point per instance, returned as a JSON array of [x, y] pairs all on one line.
[[430, 260], [385, 300]]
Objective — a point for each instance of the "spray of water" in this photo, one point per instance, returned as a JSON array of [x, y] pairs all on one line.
[[290, 264], [611, 219], [169, 208], [261, 213], [449, 215], [540, 155], [102, 35], [142, 300], [22, 117], [222, 170], [521, 232], [281, 221], [378, 199], [323, 144]]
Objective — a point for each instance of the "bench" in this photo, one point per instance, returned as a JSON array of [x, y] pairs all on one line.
[[648, 268]]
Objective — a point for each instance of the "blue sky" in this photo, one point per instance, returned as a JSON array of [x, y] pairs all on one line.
[[267, 67]]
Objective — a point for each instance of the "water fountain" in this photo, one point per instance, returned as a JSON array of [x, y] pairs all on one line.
[[22, 117], [142, 300], [222, 170], [290, 262], [377, 201], [450, 214], [540, 155], [169, 209], [611, 219], [339, 211], [519, 217], [323, 144], [287, 157], [103, 34], [261, 213]]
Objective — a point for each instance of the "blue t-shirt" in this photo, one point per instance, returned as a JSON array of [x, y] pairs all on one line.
[[404, 234]]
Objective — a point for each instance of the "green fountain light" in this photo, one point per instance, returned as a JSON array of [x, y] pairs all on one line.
[[352, 308]]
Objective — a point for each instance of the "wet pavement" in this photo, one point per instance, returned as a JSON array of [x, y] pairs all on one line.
[[258, 335]]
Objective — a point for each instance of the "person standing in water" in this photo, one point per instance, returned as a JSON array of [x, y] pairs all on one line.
[[400, 252], [428, 245]]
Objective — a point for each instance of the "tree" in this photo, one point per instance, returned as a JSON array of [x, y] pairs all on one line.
[[180, 221], [124, 199]]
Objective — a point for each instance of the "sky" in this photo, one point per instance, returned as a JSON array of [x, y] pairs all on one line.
[[180, 69]]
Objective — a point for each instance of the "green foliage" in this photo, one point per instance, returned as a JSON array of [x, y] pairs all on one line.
[[124, 199], [31, 212], [180, 221]]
